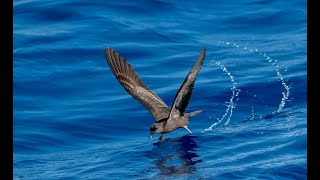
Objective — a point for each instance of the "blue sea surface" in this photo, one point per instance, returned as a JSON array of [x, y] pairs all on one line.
[[73, 120]]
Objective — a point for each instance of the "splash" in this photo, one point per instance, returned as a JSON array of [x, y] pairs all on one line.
[[231, 104], [286, 92], [253, 116]]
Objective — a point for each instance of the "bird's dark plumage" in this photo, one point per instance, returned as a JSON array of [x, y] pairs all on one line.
[[131, 82], [183, 95], [167, 120]]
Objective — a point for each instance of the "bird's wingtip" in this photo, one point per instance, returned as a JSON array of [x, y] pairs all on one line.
[[106, 50], [204, 51]]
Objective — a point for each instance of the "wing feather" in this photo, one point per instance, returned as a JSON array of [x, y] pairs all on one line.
[[183, 95], [131, 82]]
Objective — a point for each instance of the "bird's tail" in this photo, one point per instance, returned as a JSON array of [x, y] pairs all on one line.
[[193, 113]]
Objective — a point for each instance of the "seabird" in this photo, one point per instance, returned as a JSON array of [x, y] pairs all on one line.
[[166, 119]]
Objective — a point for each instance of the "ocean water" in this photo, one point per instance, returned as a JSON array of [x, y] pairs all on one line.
[[73, 120]]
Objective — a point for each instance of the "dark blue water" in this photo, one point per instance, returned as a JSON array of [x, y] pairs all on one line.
[[73, 120]]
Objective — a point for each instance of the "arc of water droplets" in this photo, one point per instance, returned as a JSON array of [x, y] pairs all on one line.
[[231, 104], [286, 93]]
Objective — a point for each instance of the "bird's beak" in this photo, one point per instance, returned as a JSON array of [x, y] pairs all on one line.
[[186, 127], [152, 133]]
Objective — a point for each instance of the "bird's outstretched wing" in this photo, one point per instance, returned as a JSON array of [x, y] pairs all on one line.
[[131, 82], [183, 95]]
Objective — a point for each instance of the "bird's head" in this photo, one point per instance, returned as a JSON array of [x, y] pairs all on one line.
[[155, 128]]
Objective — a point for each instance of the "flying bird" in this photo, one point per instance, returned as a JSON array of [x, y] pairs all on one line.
[[166, 119]]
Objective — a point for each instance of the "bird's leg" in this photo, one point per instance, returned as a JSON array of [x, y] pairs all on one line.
[[186, 127], [160, 137]]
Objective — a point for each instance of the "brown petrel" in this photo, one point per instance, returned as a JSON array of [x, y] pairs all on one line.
[[166, 119]]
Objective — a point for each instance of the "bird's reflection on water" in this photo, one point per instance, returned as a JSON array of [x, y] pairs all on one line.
[[175, 155]]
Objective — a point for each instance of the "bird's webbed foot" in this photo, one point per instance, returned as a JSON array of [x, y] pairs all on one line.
[[160, 137]]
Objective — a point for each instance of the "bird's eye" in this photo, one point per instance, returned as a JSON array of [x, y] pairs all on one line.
[[152, 129]]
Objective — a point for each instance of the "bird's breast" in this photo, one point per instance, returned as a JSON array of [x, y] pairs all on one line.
[[174, 124]]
